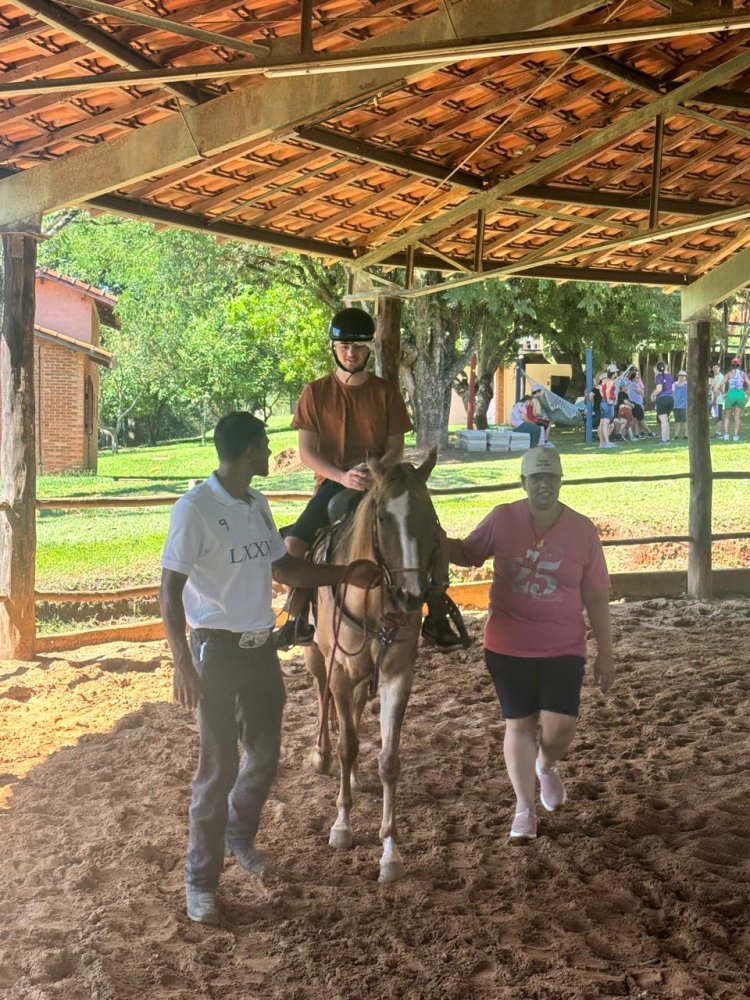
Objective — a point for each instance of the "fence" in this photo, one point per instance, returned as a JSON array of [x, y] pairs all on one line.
[[669, 582]]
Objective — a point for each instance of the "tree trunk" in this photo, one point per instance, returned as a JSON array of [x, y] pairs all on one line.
[[17, 451]]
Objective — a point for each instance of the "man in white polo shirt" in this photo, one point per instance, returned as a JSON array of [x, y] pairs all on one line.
[[221, 552]]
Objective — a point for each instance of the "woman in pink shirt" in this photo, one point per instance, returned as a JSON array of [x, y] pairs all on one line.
[[548, 566]]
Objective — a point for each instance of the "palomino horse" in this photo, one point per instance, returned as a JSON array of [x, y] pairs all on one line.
[[367, 641]]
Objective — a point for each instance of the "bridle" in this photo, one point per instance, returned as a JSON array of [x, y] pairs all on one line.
[[377, 551]]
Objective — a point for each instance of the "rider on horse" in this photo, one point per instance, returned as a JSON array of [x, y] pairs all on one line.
[[343, 419]]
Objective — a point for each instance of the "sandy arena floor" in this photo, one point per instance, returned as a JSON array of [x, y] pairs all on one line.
[[638, 888]]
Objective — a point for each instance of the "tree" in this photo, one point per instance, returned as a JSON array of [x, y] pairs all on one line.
[[615, 321], [442, 331]]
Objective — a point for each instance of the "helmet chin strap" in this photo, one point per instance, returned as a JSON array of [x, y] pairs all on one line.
[[356, 371]]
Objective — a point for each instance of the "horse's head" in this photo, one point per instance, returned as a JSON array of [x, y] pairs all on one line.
[[404, 528]]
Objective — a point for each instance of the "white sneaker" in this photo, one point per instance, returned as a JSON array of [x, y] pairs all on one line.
[[736, 437], [548, 444], [726, 437]]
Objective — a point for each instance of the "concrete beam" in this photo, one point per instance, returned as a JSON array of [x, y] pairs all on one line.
[[715, 286], [256, 112]]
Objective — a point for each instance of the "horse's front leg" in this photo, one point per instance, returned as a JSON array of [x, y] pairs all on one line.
[[321, 755], [394, 697], [358, 705], [348, 747]]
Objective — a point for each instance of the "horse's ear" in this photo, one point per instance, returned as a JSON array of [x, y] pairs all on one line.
[[377, 469], [427, 466]]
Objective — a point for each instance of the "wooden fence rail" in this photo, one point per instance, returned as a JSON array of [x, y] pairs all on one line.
[[164, 500]]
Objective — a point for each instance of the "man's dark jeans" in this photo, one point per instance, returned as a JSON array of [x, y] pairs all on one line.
[[243, 701]]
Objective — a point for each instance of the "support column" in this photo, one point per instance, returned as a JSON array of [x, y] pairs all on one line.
[[389, 338], [701, 484], [17, 450]]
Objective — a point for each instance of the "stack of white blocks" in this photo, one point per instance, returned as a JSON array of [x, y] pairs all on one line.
[[497, 439], [472, 440]]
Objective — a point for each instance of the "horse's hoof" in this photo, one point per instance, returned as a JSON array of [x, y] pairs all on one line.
[[321, 762], [341, 840], [391, 871]]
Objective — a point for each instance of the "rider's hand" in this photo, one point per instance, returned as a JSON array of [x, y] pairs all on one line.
[[358, 478], [364, 574]]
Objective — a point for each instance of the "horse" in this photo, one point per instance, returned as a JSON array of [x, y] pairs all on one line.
[[366, 641]]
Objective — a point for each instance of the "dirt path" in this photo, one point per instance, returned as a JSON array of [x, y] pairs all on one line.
[[639, 888]]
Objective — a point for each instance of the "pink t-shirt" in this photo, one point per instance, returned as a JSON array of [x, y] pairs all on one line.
[[536, 607]]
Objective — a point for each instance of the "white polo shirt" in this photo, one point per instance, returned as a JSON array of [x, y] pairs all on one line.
[[225, 548]]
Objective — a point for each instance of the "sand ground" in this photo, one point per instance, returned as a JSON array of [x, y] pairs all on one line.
[[638, 888]]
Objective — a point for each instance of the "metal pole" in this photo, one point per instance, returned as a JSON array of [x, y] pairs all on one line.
[[472, 393], [589, 390], [519, 376]]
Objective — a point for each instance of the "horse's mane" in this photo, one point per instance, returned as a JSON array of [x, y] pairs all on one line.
[[356, 536]]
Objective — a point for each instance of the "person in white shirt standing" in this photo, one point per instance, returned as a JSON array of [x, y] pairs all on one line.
[[221, 553]]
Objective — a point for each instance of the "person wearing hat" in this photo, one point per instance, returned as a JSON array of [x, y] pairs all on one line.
[[735, 398], [344, 419], [520, 422], [679, 394], [548, 567]]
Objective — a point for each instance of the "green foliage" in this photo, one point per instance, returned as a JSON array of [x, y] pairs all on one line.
[[205, 326]]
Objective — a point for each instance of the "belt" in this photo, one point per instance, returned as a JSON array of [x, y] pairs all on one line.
[[251, 639]]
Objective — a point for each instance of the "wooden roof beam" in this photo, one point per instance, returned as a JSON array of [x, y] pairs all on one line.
[[160, 215], [251, 113], [407, 58], [568, 195], [57, 17], [716, 286], [544, 257], [382, 155], [566, 157]]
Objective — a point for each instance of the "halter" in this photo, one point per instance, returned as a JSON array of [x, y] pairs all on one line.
[[387, 571]]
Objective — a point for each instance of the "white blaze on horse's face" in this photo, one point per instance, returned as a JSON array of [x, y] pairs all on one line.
[[398, 508]]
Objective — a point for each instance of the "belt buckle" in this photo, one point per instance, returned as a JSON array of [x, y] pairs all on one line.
[[252, 640]]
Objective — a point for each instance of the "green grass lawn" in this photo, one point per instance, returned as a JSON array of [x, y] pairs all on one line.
[[110, 549]]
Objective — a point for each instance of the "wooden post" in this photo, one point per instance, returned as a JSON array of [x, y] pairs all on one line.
[[389, 338], [17, 451], [699, 523]]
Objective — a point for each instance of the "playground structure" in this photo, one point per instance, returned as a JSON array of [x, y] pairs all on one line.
[[568, 139]]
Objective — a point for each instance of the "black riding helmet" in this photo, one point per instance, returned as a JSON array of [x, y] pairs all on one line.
[[352, 325]]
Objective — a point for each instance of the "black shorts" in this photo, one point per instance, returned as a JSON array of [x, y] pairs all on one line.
[[527, 686], [664, 405], [638, 412], [680, 415], [315, 515]]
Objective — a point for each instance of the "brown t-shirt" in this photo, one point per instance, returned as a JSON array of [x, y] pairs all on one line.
[[352, 422]]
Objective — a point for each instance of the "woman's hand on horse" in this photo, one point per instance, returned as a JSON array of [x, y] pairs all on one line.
[[364, 574], [358, 478]]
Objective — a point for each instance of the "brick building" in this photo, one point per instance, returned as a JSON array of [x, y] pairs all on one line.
[[67, 361]]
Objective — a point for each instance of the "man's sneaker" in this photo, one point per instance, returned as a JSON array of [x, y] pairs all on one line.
[[251, 860], [294, 632], [736, 437], [548, 444], [726, 437], [201, 905], [524, 827], [437, 631], [551, 789]]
